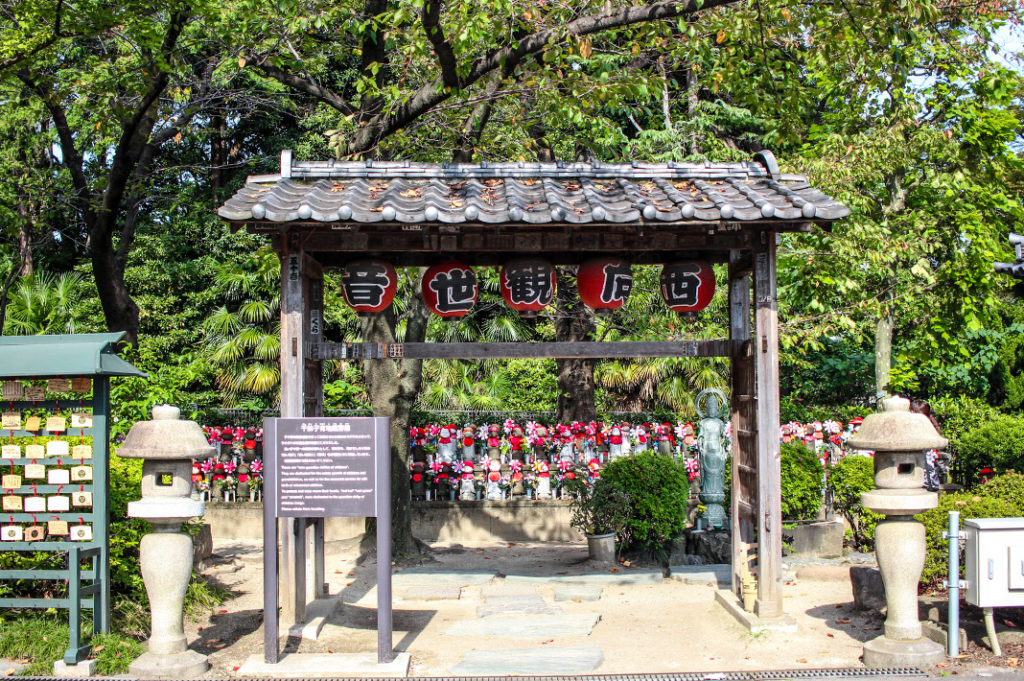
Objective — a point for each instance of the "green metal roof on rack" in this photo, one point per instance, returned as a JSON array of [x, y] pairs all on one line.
[[84, 354]]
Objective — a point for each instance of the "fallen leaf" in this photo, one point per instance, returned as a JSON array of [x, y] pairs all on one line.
[[942, 664], [511, 543], [98, 649], [213, 640], [199, 629], [802, 660], [338, 572], [830, 635], [626, 563], [613, 569], [222, 611], [236, 668], [9, 671], [841, 621], [1012, 662]]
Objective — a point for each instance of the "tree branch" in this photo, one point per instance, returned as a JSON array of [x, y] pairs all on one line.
[[431, 19], [432, 93], [70, 155], [305, 85]]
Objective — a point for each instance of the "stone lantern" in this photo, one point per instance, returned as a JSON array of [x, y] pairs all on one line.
[[900, 439], [167, 446]]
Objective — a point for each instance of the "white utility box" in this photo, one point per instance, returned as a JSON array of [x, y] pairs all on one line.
[[995, 561]]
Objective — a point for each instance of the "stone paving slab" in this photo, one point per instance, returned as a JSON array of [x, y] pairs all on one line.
[[531, 604], [433, 593], [500, 588], [530, 662], [632, 577], [428, 577], [10, 667], [331, 665], [720, 573], [526, 626], [578, 592], [824, 573]]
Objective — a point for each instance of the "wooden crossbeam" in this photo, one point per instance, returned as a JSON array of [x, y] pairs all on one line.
[[558, 350]]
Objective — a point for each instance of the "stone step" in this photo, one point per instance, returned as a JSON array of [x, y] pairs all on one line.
[[715, 573], [545, 661], [501, 589], [530, 604], [526, 626], [433, 593], [433, 577], [578, 592], [633, 577]]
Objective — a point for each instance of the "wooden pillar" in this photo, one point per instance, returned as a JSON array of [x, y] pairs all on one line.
[[769, 474], [301, 395], [744, 444]]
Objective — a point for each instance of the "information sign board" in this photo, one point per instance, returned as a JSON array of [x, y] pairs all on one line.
[[328, 467]]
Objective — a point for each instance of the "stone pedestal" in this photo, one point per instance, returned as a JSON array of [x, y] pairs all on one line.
[[899, 440], [166, 444]]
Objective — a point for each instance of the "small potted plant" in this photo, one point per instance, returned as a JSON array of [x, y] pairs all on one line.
[[226, 486], [600, 511], [255, 488]]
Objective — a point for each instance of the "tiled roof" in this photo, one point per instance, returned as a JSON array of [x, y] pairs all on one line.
[[534, 193]]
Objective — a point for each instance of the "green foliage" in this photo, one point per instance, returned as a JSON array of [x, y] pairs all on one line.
[[657, 488], [802, 474], [997, 444], [846, 480], [958, 414], [1008, 487], [792, 410], [599, 508], [970, 505], [46, 304], [39, 638]]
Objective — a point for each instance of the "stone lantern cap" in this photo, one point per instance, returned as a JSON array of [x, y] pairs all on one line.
[[166, 437], [896, 429]]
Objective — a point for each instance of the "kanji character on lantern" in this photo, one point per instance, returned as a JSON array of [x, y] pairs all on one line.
[[687, 287], [368, 286], [527, 285], [604, 284], [450, 289]]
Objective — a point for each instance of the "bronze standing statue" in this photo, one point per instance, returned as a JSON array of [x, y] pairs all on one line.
[[710, 444]]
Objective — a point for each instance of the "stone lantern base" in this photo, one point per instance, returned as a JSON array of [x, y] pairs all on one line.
[[886, 652], [188, 664]]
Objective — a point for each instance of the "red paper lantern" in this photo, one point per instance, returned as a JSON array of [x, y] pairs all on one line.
[[368, 286], [604, 284], [687, 286], [527, 285], [450, 289]]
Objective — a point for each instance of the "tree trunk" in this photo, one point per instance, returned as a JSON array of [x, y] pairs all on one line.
[[393, 387], [119, 310], [883, 354], [573, 322]]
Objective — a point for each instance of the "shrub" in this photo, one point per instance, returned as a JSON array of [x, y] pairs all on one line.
[[846, 480], [658, 489], [998, 444], [599, 508], [1009, 487], [936, 521], [801, 482]]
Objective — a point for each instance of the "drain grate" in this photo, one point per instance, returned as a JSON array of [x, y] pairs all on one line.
[[771, 675]]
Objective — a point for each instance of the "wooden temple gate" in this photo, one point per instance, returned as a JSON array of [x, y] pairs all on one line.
[[326, 214]]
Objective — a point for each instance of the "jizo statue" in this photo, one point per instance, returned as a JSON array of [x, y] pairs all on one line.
[[710, 404]]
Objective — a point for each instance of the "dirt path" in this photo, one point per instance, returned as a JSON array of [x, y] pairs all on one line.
[[664, 627]]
